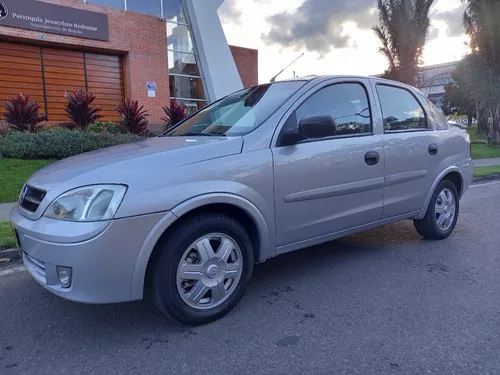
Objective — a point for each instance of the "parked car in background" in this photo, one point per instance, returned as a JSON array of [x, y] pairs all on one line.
[[265, 171]]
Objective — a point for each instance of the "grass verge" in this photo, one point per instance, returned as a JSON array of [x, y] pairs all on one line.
[[7, 239], [481, 151], [13, 175], [486, 171]]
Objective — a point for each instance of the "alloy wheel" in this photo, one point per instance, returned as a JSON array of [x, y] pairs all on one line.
[[445, 209], [209, 271]]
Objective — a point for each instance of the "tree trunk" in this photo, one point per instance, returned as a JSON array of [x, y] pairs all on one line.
[[496, 125], [469, 120], [490, 124], [482, 122]]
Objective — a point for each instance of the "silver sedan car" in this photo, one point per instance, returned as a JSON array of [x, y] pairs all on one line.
[[185, 216]]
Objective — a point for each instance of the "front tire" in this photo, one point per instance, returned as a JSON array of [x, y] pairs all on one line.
[[204, 269], [442, 214]]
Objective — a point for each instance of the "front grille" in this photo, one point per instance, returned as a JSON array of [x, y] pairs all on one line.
[[31, 198], [37, 266]]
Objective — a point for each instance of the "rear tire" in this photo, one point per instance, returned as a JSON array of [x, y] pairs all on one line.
[[203, 270], [442, 214]]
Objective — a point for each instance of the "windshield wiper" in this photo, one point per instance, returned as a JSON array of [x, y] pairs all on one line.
[[194, 134]]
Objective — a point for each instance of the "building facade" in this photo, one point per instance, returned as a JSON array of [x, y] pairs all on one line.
[[432, 79], [150, 50]]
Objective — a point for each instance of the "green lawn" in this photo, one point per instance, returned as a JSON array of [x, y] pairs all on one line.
[[481, 151], [13, 175], [486, 171], [7, 240]]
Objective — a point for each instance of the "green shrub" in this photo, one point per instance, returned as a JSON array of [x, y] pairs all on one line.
[[108, 127], [49, 128], [5, 131], [58, 144], [154, 133]]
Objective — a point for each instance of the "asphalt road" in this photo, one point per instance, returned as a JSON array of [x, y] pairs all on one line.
[[382, 302]]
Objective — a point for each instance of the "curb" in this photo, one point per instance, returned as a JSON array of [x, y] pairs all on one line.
[[9, 253], [491, 177]]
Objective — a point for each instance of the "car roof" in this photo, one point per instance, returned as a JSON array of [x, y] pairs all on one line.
[[326, 77]]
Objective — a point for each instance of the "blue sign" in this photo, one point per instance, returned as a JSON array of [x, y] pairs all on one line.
[[151, 85]]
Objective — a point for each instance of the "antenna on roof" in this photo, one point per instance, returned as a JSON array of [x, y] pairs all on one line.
[[289, 65]]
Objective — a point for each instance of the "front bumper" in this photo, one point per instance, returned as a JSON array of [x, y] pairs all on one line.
[[102, 255]]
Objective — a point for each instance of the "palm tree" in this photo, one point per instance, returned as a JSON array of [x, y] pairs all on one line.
[[482, 25], [402, 30]]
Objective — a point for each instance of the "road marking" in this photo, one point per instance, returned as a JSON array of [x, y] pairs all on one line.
[[10, 271], [485, 184]]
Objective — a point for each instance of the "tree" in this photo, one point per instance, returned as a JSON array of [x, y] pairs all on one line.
[[402, 30], [482, 25], [457, 100]]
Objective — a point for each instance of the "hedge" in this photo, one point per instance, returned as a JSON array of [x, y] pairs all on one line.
[[58, 144]]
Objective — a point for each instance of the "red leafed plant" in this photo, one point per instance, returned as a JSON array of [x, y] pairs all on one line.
[[80, 110], [23, 114], [133, 117], [173, 115]]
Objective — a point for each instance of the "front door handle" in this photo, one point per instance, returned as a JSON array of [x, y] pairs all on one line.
[[372, 157], [433, 149]]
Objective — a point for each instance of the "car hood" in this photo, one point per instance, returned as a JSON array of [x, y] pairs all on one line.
[[128, 162]]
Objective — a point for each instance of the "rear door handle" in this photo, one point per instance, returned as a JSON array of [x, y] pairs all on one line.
[[433, 149], [372, 158]]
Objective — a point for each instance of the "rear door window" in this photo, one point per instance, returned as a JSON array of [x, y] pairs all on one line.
[[401, 110]]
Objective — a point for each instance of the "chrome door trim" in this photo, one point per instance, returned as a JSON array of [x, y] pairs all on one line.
[[334, 191]]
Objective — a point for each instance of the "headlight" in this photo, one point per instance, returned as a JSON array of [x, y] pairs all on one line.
[[89, 203]]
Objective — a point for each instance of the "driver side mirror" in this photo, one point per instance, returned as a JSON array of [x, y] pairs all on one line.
[[309, 127], [317, 127]]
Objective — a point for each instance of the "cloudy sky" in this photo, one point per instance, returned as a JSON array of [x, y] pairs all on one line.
[[335, 35]]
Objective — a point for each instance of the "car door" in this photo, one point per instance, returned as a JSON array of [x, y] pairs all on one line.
[[324, 186], [411, 150]]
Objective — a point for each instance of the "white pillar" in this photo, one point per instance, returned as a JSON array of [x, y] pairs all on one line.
[[214, 55]]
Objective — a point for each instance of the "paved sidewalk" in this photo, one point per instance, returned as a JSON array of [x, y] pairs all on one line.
[[4, 210], [486, 162]]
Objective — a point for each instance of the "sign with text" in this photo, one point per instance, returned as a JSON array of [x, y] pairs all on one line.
[[54, 19]]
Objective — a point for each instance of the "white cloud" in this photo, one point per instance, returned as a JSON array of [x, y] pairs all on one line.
[[335, 34], [453, 19], [317, 25]]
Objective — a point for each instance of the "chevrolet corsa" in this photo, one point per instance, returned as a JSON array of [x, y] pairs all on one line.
[[184, 217]]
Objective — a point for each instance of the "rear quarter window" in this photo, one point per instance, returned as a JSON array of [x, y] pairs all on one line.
[[437, 117]]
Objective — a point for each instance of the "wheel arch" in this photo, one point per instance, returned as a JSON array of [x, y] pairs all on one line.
[[452, 173], [232, 205]]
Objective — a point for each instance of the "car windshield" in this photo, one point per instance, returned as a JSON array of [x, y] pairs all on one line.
[[239, 113]]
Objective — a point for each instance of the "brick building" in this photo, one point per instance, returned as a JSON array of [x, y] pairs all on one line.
[[150, 50]]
